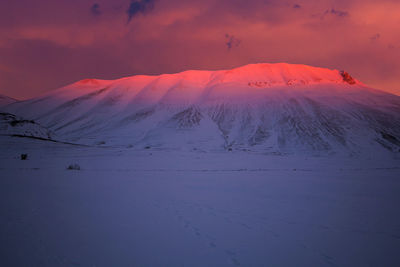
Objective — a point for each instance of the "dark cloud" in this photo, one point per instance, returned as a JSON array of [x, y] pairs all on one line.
[[335, 12], [296, 6], [331, 13], [375, 37], [232, 41], [95, 9], [139, 7]]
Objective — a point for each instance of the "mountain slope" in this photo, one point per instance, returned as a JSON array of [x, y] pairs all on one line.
[[5, 100], [271, 108], [11, 125]]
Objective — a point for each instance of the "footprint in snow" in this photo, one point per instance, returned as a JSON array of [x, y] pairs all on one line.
[[232, 256]]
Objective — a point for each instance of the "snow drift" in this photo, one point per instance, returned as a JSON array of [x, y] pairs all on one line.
[[269, 108]]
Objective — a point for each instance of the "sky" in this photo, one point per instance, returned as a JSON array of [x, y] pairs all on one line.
[[46, 44]]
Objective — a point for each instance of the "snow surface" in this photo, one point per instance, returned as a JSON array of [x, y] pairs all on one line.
[[128, 207]]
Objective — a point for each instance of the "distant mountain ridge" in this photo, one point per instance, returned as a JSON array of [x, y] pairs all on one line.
[[5, 100], [269, 108]]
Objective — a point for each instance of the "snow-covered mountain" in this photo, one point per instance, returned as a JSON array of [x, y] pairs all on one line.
[[269, 108], [5, 100], [11, 125]]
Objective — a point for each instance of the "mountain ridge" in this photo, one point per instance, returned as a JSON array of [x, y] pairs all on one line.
[[6, 100]]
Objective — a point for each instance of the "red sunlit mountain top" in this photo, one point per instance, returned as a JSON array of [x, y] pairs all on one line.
[[259, 75]]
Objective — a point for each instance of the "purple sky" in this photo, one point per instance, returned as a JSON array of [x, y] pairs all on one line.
[[45, 44]]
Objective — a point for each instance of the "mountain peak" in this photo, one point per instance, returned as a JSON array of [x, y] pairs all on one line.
[[284, 74]]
